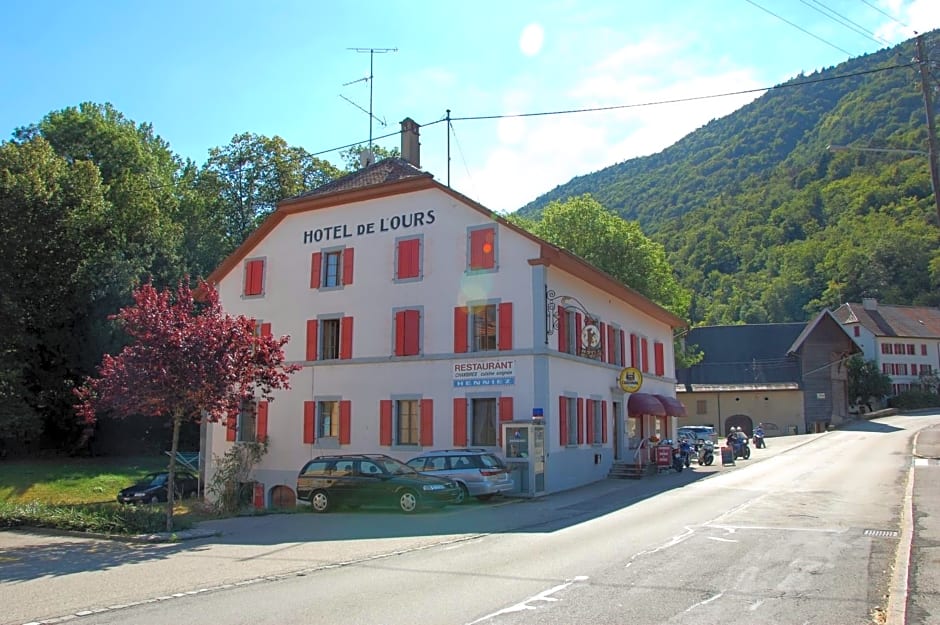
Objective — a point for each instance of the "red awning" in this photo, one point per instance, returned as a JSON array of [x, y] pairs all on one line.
[[640, 404], [674, 407]]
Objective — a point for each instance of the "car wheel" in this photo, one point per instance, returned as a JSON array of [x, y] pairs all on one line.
[[320, 501], [154, 499], [463, 495], [408, 501]]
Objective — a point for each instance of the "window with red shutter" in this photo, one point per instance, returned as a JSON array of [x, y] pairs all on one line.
[[312, 339], [408, 258], [482, 248], [461, 332], [580, 420], [261, 428], [659, 359], [385, 422], [407, 332], [644, 356], [427, 422], [505, 326], [316, 267], [345, 421], [346, 339], [309, 422], [254, 277]]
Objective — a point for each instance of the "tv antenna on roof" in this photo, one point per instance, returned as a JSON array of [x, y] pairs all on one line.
[[372, 52]]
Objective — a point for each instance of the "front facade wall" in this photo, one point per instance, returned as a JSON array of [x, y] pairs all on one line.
[[368, 379], [903, 368], [781, 411]]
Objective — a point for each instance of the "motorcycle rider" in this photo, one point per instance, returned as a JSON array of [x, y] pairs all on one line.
[[759, 436]]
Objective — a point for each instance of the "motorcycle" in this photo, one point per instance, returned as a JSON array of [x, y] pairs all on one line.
[[740, 448], [679, 460], [685, 451], [706, 453], [759, 439]]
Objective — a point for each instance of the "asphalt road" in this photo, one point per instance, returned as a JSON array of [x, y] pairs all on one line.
[[804, 532]]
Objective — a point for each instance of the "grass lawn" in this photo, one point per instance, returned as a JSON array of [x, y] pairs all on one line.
[[72, 480]]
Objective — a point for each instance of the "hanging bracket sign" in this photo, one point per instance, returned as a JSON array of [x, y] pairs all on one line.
[[630, 379]]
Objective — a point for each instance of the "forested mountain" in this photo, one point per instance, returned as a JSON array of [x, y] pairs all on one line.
[[763, 223]]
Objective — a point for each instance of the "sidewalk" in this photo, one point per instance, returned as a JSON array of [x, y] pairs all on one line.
[[923, 576]]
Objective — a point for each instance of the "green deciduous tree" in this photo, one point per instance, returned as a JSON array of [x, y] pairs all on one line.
[[866, 380]]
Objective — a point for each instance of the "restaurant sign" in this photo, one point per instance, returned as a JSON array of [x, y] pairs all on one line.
[[499, 372]]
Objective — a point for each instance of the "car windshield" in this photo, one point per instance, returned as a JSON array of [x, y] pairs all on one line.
[[154, 479]]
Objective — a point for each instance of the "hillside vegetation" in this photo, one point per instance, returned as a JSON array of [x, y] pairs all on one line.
[[763, 223]]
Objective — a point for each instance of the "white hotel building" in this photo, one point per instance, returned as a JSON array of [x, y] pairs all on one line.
[[422, 321]]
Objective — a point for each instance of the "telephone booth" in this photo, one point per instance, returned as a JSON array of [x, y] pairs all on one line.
[[524, 448]]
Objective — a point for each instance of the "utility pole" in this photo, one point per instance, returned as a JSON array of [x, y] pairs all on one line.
[[372, 52], [926, 87]]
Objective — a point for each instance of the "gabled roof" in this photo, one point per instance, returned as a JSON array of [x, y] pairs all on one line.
[[884, 320], [825, 317], [386, 170], [395, 176], [754, 354]]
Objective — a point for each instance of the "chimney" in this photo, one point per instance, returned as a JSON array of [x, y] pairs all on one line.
[[410, 146], [869, 303]]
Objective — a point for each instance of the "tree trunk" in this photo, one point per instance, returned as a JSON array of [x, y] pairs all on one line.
[[170, 486]]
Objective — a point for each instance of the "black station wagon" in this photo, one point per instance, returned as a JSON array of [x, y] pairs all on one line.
[[355, 480]]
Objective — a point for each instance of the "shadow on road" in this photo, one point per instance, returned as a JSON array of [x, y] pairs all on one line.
[[32, 560]]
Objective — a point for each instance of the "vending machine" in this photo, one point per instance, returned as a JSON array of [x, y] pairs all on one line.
[[524, 448]]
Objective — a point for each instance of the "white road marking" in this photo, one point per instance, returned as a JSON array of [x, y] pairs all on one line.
[[755, 605], [824, 530], [724, 540], [709, 600], [545, 595]]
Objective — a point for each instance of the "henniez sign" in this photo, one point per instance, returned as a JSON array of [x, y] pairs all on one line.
[[499, 372]]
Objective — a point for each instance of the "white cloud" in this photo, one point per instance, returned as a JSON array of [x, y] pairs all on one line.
[[538, 153], [531, 39]]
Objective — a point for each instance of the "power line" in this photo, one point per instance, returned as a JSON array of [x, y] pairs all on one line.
[[842, 20], [888, 15], [800, 28], [600, 109]]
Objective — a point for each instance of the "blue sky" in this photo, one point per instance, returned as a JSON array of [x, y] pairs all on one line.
[[201, 72]]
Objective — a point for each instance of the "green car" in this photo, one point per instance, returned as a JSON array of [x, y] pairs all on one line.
[[354, 480]]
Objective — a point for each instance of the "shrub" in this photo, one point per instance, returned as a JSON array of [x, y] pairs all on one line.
[[103, 518], [911, 400]]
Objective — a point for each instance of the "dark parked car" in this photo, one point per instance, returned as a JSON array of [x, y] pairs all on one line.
[[478, 472], [357, 480], [153, 488]]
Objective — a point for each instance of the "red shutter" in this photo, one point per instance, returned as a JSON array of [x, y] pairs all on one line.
[[385, 422], [603, 337], [309, 421], [623, 350], [460, 422], [265, 329], [505, 326], [315, 268], [345, 338], [604, 422], [345, 421], [400, 332], [634, 362], [562, 330], [412, 333], [311, 339], [460, 329], [589, 422], [348, 266], [408, 258], [611, 345], [483, 248], [580, 420], [254, 276], [644, 357], [427, 422], [231, 428], [261, 427], [659, 358], [577, 334], [505, 414], [562, 421]]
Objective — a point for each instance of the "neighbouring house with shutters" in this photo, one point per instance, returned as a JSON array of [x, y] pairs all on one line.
[[903, 340], [422, 321]]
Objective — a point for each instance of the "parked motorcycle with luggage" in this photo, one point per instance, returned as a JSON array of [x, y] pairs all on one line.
[[705, 452]]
